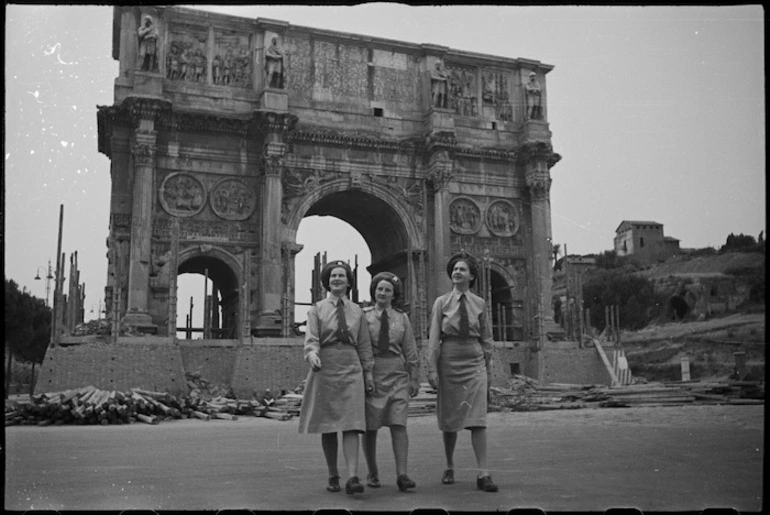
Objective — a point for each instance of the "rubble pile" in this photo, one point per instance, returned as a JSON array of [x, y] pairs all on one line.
[[101, 327]]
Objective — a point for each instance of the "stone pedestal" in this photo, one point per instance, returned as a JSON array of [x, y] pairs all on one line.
[[140, 322], [267, 325], [440, 120], [149, 84], [536, 130], [274, 100]]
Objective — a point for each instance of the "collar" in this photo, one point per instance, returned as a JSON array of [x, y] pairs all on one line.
[[456, 294], [333, 299]]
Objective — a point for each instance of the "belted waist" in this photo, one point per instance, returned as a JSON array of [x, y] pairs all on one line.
[[337, 343], [453, 338], [389, 354]]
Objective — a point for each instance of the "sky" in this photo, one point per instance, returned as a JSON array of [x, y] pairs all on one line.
[[658, 114]]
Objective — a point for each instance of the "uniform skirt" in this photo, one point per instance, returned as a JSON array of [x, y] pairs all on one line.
[[334, 396], [461, 400], [390, 403]]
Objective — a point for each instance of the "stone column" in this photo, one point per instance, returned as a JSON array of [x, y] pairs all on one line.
[[271, 272], [538, 158], [143, 152], [144, 113], [440, 173], [274, 126]]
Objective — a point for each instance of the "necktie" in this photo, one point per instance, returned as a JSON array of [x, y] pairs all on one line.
[[384, 342], [464, 330], [342, 325]]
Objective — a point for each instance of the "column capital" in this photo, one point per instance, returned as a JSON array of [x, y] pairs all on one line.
[[272, 165], [440, 174], [143, 151]]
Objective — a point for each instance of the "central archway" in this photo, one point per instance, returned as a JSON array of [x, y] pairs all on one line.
[[392, 235]]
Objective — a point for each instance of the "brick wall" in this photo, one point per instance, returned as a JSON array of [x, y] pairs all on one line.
[[269, 363], [121, 366], [272, 363], [215, 363], [575, 366]]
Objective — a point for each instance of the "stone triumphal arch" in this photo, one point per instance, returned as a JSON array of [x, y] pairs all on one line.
[[225, 132]]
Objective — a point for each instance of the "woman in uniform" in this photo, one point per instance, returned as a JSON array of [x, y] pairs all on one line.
[[396, 377], [339, 351], [459, 358]]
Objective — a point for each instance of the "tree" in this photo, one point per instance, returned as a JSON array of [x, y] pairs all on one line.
[[27, 326], [635, 296], [740, 243]]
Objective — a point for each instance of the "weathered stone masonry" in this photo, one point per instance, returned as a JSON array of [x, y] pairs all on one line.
[[246, 126]]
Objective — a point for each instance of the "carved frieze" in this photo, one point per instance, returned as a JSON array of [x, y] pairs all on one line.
[[463, 91], [198, 122], [464, 216], [195, 229], [233, 62], [495, 93], [233, 199], [186, 56], [477, 245], [183, 195], [502, 218]]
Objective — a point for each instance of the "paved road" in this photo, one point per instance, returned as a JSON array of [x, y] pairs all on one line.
[[654, 459]]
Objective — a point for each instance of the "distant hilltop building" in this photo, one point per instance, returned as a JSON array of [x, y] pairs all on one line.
[[644, 241]]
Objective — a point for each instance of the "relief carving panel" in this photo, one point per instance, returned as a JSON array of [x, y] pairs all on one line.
[[232, 64], [502, 218], [186, 57], [182, 195], [233, 199], [495, 93], [464, 216], [463, 91]]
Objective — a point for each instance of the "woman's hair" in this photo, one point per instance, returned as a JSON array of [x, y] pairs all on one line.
[[391, 278], [327, 272], [469, 260]]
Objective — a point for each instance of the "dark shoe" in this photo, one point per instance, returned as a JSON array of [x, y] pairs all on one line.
[[372, 480], [449, 477], [404, 483], [485, 483], [334, 484], [354, 486]]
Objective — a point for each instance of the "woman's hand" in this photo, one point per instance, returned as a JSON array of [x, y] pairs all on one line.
[[315, 361], [369, 383], [433, 380], [414, 388]]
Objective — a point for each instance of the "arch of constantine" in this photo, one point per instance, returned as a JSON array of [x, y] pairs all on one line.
[[226, 132]]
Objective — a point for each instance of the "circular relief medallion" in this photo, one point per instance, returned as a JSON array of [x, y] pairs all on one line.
[[232, 199], [502, 218], [464, 216], [183, 195]]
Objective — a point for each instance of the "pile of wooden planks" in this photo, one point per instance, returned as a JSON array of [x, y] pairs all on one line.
[[90, 405], [526, 394]]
